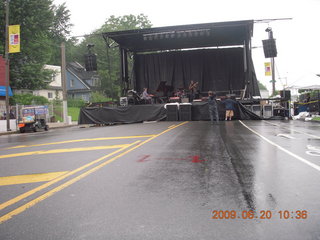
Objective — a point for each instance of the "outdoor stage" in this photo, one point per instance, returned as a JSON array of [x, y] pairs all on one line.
[[157, 112]]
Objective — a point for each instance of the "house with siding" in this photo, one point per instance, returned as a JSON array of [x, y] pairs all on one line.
[[81, 83], [54, 89]]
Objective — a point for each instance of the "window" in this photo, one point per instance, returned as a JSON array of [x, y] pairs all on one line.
[[72, 83], [50, 95]]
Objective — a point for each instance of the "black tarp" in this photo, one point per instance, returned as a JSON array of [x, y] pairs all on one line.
[[220, 70], [129, 114], [154, 112], [200, 111]]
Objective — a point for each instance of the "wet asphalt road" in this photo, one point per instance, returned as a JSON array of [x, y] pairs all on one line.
[[170, 182]]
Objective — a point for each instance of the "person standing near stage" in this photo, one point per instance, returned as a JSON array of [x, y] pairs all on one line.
[[213, 107], [230, 107]]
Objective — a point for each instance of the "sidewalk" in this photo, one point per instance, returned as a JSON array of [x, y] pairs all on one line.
[[61, 124], [51, 126]]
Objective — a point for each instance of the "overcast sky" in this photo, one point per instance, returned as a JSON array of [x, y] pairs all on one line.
[[298, 40]]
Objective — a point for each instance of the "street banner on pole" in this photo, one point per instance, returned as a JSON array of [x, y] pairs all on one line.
[[267, 67], [14, 38]]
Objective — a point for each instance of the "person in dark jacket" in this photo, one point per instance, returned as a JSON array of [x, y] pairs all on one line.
[[213, 107], [230, 107]]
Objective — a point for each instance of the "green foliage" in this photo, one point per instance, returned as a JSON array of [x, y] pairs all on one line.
[[108, 59], [76, 102], [312, 94], [74, 113], [43, 26], [98, 97], [261, 86], [276, 92], [28, 99], [316, 119]]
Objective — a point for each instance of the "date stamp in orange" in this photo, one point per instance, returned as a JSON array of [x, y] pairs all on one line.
[[262, 214]]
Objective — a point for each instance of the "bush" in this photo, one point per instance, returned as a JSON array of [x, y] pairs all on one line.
[[98, 97], [76, 102], [28, 99]]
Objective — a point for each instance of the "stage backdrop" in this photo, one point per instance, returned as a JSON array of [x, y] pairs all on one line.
[[214, 69]]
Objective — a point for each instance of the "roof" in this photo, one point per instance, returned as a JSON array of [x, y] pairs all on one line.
[[80, 71], [184, 36]]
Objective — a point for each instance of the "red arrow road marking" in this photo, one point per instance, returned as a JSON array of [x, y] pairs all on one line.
[[144, 158], [196, 159]]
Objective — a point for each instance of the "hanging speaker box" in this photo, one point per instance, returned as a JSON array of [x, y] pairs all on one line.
[[90, 61], [269, 48]]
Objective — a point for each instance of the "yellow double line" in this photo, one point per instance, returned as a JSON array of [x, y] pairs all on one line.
[[33, 202]]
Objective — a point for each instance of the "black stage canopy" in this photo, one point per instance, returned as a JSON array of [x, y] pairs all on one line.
[[184, 36], [217, 55]]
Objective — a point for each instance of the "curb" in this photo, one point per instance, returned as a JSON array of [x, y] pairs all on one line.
[[50, 127]]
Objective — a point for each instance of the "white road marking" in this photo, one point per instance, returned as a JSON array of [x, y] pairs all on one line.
[[313, 151], [285, 136], [283, 149], [311, 135]]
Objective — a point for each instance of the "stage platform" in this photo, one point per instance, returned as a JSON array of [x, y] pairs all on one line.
[[157, 112]]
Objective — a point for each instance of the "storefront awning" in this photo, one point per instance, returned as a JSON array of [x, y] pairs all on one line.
[[3, 91]]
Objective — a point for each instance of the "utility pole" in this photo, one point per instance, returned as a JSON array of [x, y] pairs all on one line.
[[270, 33], [7, 66], [64, 83], [270, 51], [273, 77]]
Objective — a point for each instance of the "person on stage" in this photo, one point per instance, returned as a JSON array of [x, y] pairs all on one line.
[[213, 107], [192, 88], [146, 97]]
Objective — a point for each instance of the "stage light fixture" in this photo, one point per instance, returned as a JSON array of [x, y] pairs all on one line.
[[268, 29]]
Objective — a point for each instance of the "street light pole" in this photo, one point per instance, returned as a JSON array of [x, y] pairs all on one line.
[[7, 66]]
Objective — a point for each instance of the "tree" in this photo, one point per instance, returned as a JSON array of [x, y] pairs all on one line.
[[261, 86], [108, 59], [42, 26], [28, 99]]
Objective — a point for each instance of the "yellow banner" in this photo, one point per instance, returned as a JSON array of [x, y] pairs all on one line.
[[267, 67], [14, 38]]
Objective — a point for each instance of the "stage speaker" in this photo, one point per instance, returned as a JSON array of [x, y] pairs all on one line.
[[285, 94], [185, 113], [172, 112], [90, 61], [269, 48]]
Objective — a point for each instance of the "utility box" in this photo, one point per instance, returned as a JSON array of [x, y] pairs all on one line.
[[256, 109], [267, 111]]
